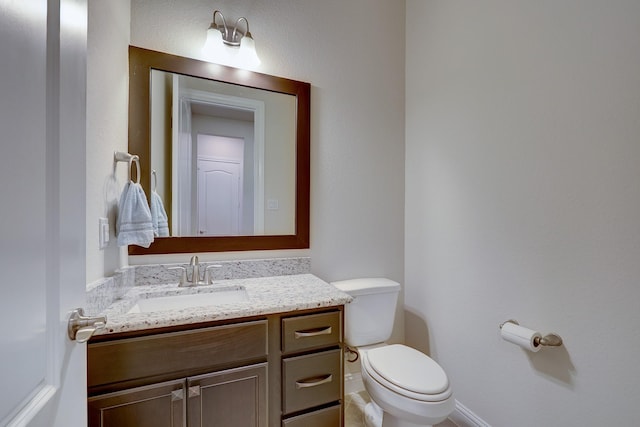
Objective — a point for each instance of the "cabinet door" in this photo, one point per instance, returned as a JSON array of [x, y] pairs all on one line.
[[232, 398], [156, 405]]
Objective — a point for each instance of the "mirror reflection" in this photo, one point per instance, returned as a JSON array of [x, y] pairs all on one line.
[[223, 155], [249, 135]]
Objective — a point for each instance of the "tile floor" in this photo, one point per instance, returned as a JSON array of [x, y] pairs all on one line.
[[354, 410]]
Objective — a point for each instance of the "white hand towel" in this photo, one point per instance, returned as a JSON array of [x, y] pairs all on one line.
[[159, 216], [134, 225]]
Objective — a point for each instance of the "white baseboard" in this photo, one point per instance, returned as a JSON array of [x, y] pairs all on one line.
[[463, 417]]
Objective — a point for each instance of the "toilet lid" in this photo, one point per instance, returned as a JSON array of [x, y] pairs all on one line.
[[408, 369]]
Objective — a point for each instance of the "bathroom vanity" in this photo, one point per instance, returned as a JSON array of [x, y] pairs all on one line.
[[272, 360]]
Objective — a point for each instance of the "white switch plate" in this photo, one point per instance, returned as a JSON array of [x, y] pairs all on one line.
[[103, 232], [272, 204]]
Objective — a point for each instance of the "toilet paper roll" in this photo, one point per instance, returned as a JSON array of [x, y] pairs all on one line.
[[521, 336]]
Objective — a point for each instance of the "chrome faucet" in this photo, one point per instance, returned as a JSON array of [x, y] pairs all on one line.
[[195, 279], [195, 270]]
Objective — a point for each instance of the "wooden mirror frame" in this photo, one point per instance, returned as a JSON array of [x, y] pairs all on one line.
[[141, 62]]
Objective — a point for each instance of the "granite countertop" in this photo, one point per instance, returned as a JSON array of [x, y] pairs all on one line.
[[266, 295]]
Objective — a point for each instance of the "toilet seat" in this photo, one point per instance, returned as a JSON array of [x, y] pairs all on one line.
[[408, 372]]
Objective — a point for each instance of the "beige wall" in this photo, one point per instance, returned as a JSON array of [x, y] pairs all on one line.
[[357, 117], [523, 201]]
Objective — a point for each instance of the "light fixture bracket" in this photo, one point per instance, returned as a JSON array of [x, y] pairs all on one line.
[[231, 35], [230, 44]]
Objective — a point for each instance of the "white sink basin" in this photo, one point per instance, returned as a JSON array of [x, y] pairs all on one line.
[[213, 297]]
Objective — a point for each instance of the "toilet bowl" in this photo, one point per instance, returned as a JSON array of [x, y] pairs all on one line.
[[407, 387], [411, 389]]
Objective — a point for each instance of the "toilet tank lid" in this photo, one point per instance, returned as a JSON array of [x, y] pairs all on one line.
[[368, 286]]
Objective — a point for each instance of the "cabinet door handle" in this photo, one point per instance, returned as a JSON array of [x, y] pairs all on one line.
[[313, 332], [177, 395], [194, 391], [314, 381]]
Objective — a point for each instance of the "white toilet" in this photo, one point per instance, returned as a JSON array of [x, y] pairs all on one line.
[[407, 388]]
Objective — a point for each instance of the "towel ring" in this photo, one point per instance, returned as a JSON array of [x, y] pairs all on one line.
[[135, 159], [154, 180], [119, 156]]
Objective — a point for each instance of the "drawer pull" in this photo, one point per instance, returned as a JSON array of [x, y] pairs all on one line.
[[314, 381], [313, 332]]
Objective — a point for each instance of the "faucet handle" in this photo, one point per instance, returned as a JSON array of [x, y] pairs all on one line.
[[183, 276], [207, 273]]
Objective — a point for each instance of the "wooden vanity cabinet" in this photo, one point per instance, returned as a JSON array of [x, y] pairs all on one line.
[[233, 397], [312, 370], [282, 370], [214, 376]]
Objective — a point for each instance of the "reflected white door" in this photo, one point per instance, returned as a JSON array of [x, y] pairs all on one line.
[[42, 188], [219, 208]]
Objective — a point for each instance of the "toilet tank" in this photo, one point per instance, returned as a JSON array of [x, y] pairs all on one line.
[[369, 317]]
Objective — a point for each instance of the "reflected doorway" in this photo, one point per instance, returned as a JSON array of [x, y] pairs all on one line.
[[220, 186], [218, 140]]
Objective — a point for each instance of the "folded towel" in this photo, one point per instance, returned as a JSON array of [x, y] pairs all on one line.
[[134, 225], [159, 216]]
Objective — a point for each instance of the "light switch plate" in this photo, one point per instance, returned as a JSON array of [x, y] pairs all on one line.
[[103, 232]]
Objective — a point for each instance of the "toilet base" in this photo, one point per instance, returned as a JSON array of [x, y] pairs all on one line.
[[372, 415], [375, 417]]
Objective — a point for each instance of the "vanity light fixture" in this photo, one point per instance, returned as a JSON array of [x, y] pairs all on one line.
[[229, 44]]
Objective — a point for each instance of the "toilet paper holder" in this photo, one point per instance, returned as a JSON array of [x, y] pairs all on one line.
[[549, 340]]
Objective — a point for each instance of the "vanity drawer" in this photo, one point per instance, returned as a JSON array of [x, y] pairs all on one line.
[[328, 417], [150, 357], [311, 331], [311, 380]]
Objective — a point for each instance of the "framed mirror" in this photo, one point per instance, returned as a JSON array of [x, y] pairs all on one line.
[[226, 150]]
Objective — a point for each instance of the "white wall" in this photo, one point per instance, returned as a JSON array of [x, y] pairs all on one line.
[[107, 121], [353, 55], [523, 201]]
